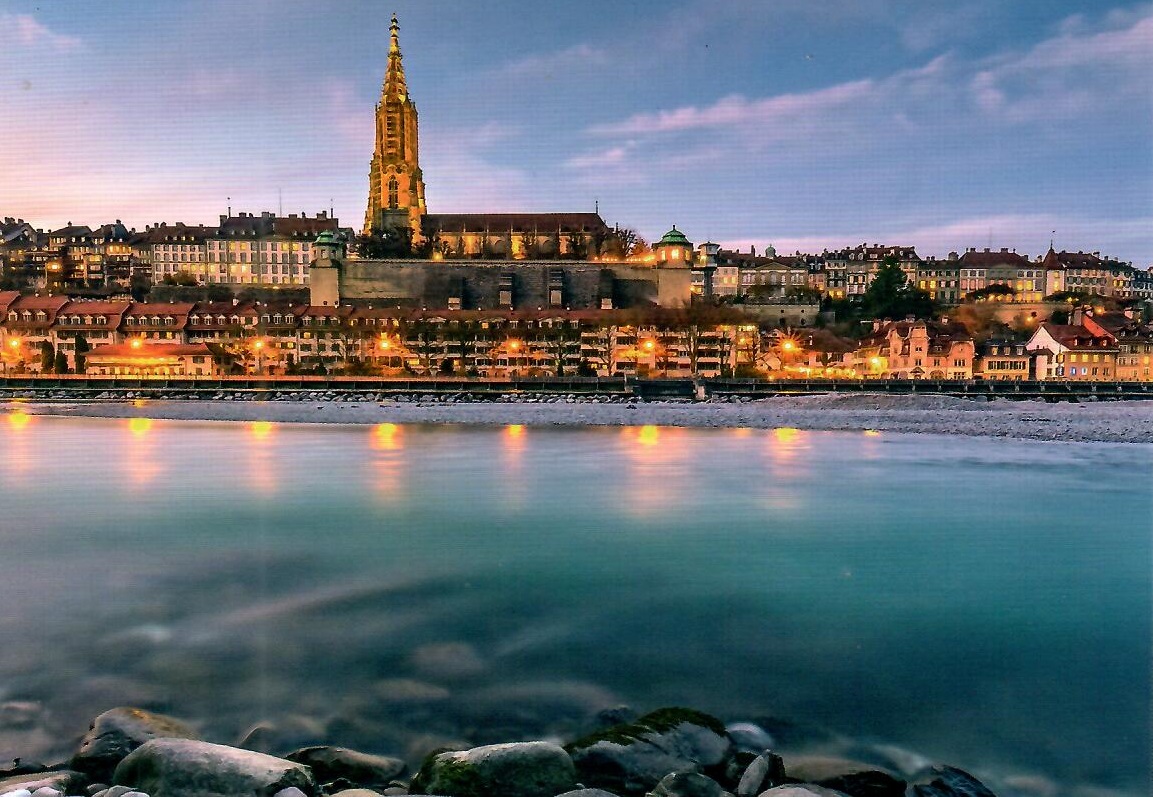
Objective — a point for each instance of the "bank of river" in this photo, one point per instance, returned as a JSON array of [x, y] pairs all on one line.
[[1101, 421]]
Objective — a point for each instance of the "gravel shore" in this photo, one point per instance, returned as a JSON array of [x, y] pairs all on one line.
[[1103, 421]]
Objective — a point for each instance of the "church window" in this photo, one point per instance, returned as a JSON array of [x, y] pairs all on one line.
[[393, 193]]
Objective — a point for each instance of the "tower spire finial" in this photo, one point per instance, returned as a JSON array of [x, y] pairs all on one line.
[[395, 87]]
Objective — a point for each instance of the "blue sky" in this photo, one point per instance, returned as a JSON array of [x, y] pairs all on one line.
[[802, 123]]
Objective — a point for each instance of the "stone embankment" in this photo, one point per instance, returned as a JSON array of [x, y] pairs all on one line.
[[1094, 421], [674, 752]]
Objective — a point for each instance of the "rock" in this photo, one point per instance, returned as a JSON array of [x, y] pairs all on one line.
[[750, 737], [357, 793], [117, 732], [65, 781], [951, 782], [285, 733], [291, 791], [632, 758], [854, 778], [47, 791], [519, 769], [329, 764], [17, 793], [447, 660], [765, 771], [801, 790], [587, 793], [191, 768], [687, 784]]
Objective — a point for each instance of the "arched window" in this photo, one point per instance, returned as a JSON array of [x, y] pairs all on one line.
[[393, 193]]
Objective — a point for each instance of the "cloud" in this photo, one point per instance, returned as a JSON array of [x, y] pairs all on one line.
[[29, 33], [548, 65], [1070, 74], [737, 111]]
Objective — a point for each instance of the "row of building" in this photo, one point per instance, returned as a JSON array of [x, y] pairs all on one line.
[[42, 333], [272, 250]]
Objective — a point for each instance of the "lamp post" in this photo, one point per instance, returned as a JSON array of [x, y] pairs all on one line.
[[258, 348]]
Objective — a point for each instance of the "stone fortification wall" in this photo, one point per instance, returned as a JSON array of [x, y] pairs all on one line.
[[480, 284]]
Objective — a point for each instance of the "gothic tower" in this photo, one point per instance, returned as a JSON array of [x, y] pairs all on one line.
[[395, 182]]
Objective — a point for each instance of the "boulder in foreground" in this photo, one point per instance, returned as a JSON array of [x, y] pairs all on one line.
[[633, 757], [117, 732], [519, 769], [190, 768]]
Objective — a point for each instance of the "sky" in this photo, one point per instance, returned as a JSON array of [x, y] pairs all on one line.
[[805, 124]]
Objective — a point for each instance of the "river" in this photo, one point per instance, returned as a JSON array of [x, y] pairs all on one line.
[[985, 602]]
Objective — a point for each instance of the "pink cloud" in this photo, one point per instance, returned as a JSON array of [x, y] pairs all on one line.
[[28, 32]]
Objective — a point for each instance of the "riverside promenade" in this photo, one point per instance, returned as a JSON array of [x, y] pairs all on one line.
[[80, 387]]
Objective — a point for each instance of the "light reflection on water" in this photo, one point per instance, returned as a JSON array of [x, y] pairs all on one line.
[[943, 593]]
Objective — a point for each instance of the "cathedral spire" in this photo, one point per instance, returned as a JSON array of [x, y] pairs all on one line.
[[395, 182], [395, 87]]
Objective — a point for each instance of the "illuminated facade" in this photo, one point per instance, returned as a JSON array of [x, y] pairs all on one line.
[[395, 182]]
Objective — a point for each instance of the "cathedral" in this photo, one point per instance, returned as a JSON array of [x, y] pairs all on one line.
[[396, 195], [482, 261]]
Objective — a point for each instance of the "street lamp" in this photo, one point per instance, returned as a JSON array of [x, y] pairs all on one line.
[[258, 347]]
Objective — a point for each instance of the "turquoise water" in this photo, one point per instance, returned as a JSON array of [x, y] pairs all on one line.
[[985, 602]]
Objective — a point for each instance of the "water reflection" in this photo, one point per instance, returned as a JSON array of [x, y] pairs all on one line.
[[140, 426], [15, 462], [515, 487], [18, 419], [655, 468], [141, 460], [387, 473], [261, 468]]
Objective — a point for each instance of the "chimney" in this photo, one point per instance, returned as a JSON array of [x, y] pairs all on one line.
[[1005, 250]]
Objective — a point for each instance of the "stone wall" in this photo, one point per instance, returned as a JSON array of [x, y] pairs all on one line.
[[480, 284]]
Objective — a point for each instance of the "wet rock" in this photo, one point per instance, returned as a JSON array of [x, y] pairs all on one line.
[[519, 769], [287, 733], [119, 731], [750, 737], [792, 735], [357, 793], [764, 772], [951, 782], [632, 758], [330, 764], [190, 768], [687, 784], [801, 790], [587, 793], [447, 660], [291, 791], [854, 778], [404, 690], [64, 781]]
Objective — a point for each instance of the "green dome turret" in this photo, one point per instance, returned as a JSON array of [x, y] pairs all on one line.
[[674, 237]]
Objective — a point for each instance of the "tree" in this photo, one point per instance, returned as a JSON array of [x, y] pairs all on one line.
[[182, 278], [47, 357], [81, 348], [60, 366], [139, 286], [890, 295], [624, 242], [383, 243]]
